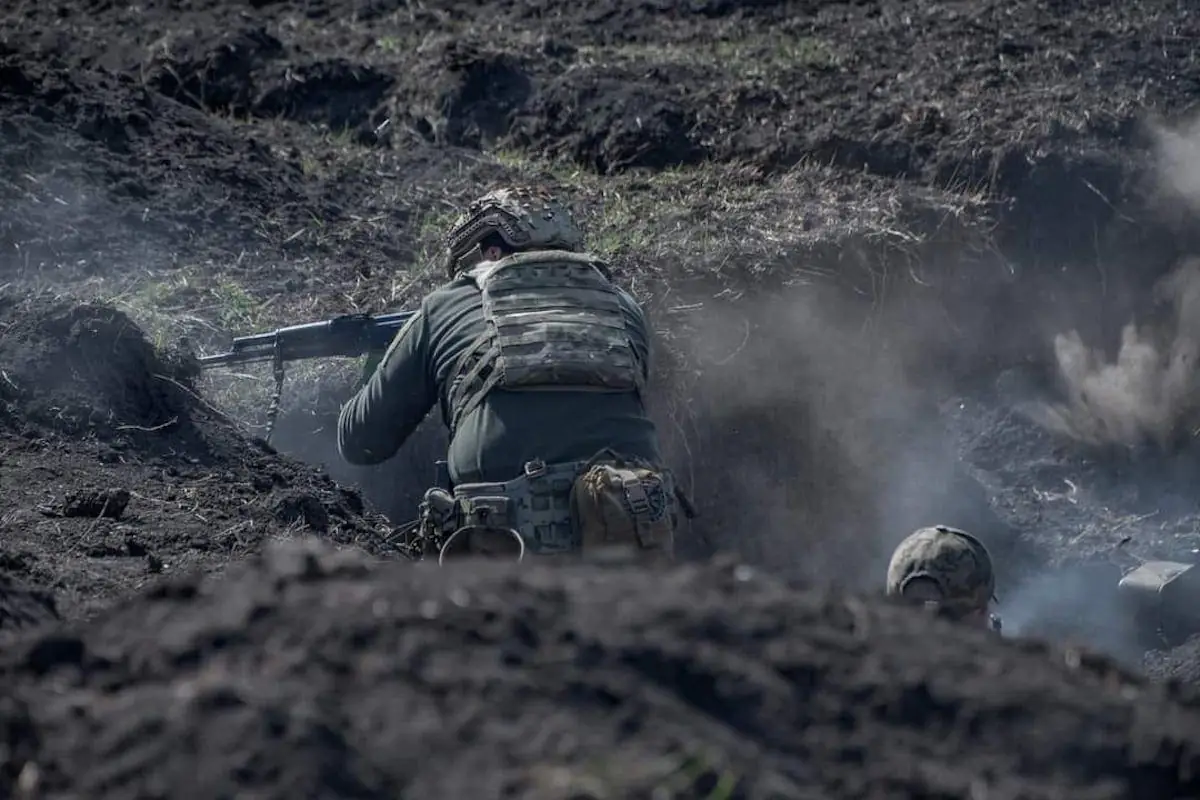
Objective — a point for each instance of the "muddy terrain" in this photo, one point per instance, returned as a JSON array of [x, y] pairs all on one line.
[[891, 251]]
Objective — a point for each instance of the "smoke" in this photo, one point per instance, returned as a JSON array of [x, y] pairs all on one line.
[[1148, 393], [1141, 397], [307, 430], [1079, 604], [820, 448], [1177, 160]]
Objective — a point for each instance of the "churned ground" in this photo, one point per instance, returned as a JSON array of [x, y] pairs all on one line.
[[865, 232]]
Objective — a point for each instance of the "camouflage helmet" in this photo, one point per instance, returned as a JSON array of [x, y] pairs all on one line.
[[954, 561], [525, 218]]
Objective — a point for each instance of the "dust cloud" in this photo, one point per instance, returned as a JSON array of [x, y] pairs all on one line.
[[1080, 605], [1150, 392], [1177, 152], [812, 448], [798, 434]]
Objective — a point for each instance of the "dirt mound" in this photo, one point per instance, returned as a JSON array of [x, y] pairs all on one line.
[[239, 72], [22, 606], [586, 115], [1180, 663], [317, 673], [115, 469], [109, 176], [72, 368]]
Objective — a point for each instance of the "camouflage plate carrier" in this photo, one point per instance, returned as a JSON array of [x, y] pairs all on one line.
[[554, 322]]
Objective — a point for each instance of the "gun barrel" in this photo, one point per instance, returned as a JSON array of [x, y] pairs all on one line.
[[346, 336]]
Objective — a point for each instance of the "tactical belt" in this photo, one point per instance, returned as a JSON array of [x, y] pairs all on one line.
[[536, 505]]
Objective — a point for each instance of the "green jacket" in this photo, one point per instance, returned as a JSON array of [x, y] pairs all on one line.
[[508, 429]]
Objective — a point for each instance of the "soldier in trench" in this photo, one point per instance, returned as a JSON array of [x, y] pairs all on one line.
[[947, 570], [539, 364]]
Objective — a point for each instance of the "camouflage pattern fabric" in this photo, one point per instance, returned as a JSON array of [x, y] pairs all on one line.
[[554, 321], [954, 560], [525, 218], [561, 409]]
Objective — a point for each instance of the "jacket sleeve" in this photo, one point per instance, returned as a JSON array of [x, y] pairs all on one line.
[[379, 418]]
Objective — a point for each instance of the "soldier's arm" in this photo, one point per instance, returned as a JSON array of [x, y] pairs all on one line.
[[388, 408]]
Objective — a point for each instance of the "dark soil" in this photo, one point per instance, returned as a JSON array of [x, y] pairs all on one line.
[[322, 675], [115, 471], [983, 94], [950, 185], [21, 605]]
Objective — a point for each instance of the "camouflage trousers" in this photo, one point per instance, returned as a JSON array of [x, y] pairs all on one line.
[[561, 512]]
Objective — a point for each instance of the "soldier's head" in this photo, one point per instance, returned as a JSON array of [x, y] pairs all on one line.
[[510, 220], [945, 569]]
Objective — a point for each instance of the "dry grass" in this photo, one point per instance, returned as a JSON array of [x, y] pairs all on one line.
[[729, 223], [741, 55], [676, 238], [712, 220], [660, 776]]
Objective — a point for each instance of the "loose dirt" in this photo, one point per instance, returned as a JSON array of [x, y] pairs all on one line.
[[320, 673], [858, 228], [115, 469]]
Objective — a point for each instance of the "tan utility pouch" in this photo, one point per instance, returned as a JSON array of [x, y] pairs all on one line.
[[624, 506]]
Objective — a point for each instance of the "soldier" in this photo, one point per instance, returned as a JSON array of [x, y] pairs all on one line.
[[947, 570], [539, 364]]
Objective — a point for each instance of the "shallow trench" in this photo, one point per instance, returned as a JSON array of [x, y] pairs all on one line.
[[817, 470]]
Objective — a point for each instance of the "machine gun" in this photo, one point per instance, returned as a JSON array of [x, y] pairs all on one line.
[[346, 336]]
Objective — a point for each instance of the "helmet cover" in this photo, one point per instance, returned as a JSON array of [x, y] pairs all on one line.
[[955, 560], [525, 218]]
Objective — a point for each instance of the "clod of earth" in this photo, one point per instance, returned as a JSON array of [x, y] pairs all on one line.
[[847, 220], [304, 508], [109, 503]]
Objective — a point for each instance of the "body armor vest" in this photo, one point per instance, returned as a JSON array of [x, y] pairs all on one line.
[[554, 321]]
